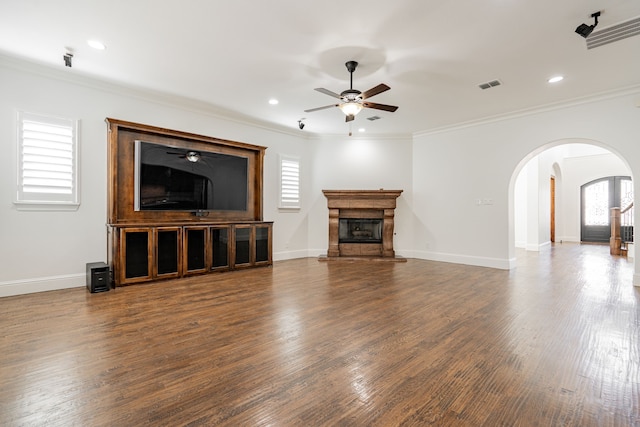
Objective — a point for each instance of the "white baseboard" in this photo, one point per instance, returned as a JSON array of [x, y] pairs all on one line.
[[499, 263], [537, 247], [285, 255], [42, 284], [567, 239]]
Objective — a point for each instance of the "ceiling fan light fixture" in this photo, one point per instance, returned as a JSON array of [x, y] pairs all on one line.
[[350, 108], [352, 101]]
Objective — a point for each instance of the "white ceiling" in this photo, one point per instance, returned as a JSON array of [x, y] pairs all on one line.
[[236, 55]]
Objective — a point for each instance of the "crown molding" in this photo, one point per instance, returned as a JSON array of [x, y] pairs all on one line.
[[601, 96], [360, 137], [69, 75]]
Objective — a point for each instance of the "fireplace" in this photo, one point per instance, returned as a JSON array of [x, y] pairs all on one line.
[[361, 223]]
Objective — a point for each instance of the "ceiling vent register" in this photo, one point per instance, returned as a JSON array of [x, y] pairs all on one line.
[[614, 33], [487, 85]]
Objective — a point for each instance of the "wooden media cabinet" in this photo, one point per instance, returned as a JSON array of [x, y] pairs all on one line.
[[208, 221]]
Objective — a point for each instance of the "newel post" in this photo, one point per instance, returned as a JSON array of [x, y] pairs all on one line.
[[615, 242]]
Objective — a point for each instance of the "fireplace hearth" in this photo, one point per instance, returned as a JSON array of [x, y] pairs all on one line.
[[361, 223]]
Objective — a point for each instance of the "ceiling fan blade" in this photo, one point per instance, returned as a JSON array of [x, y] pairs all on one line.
[[327, 92], [350, 118], [375, 90], [320, 108], [384, 107]]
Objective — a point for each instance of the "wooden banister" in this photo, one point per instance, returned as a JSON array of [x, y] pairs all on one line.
[[615, 242]]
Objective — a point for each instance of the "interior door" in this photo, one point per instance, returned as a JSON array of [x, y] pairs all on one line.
[[552, 224], [597, 198]]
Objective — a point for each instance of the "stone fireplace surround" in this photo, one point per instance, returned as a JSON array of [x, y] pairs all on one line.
[[364, 205]]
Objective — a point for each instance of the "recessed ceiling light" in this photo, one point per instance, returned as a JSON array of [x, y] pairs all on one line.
[[361, 130], [96, 44], [273, 101], [555, 79]]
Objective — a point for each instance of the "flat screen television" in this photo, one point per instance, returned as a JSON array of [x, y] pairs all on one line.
[[169, 178]]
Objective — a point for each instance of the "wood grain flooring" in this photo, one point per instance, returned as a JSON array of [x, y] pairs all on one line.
[[554, 342]]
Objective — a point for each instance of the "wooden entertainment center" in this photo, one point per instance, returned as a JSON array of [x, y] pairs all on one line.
[[152, 236]]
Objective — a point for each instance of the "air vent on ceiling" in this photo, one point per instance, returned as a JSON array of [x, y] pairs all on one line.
[[614, 33], [372, 118], [487, 85]]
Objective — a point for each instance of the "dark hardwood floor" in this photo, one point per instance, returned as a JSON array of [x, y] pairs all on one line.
[[554, 342]]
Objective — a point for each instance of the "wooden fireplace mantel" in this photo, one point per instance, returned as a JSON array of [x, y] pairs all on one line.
[[385, 199], [360, 204]]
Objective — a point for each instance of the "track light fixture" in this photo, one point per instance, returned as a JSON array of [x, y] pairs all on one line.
[[301, 124], [584, 30], [67, 59]]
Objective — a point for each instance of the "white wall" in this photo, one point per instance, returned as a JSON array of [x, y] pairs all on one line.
[[49, 250], [452, 171], [521, 217], [361, 163], [468, 163]]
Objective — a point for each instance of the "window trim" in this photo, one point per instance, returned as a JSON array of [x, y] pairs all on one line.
[[43, 201], [282, 204]]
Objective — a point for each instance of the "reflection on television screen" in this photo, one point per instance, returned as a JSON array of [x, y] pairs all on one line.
[[174, 178]]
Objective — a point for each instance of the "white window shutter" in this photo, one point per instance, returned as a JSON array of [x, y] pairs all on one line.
[[47, 164], [289, 182]]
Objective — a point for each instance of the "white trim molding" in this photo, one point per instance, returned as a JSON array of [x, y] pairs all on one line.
[[42, 284]]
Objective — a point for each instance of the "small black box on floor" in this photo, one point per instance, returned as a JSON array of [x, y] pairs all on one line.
[[98, 277]]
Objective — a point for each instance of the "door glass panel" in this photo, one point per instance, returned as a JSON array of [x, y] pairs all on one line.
[[596, 204], [137, 254], [167, 251], [262, 244], [220, 247], [195, 249], [242, 245]]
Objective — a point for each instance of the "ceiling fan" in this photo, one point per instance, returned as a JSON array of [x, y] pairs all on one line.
[[352, 99]]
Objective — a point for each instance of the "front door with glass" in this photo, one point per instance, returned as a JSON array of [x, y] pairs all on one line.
[[597, 198]]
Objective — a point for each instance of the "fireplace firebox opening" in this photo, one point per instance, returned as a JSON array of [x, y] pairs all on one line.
[[360, 230]]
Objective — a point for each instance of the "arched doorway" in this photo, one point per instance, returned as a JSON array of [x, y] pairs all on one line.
[[571, 163]]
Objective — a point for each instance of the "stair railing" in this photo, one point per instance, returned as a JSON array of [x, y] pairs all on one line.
[[621, 230], [626, 224]]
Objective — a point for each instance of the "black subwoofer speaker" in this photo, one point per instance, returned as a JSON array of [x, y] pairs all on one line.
[[98, 277]]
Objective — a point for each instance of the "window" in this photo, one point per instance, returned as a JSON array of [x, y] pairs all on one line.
[[289, 182], [47, 162]]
